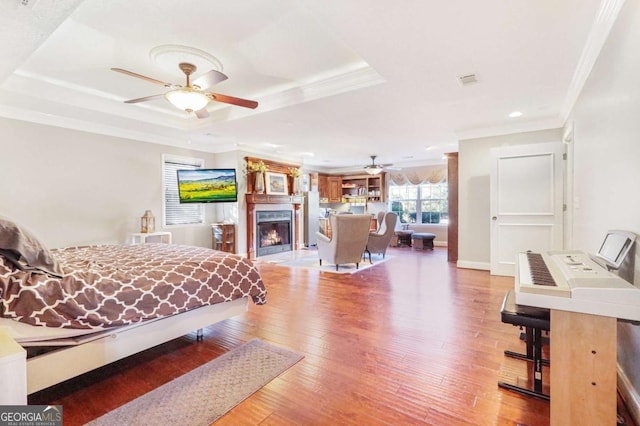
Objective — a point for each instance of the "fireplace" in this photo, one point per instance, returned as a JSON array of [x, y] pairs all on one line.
[[273, 232], [288, 209]]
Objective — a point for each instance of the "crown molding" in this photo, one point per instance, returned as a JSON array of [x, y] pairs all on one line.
[[521, 127], [345, 81], [605, 19], [174, 138]]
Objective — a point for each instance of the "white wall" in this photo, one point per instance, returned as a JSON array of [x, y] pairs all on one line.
[[76, 188], [606, 158], [235, 212], [474, 168]]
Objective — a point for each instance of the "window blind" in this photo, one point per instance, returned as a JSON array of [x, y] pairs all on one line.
[[174, 212]]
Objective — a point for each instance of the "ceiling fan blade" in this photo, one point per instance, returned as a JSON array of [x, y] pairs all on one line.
[[203, 113], [144, 77], [232, 100], [209, 79], [145, 99]]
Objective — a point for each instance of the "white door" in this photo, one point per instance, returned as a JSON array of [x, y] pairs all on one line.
[[526, 202]]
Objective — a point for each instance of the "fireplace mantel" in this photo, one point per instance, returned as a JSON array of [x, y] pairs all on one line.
[[274, 199], [292, 201]]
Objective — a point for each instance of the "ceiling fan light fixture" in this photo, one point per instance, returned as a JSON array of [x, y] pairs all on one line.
[[187, 99], [373, 170]]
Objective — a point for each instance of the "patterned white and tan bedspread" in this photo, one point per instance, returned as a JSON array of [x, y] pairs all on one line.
[[114, 285]]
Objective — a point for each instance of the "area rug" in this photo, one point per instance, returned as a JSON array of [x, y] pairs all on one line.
[[203, 395], [312, 262]]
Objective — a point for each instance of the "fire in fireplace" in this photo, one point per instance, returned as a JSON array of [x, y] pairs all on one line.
[[273, 232], [271, 239]]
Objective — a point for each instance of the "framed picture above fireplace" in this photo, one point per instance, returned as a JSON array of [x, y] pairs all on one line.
[[276, 183]]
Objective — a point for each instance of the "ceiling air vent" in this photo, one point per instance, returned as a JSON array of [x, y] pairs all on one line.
[[467, 79]]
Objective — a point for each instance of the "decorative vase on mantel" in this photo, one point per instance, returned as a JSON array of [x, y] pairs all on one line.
[[296, 186], [258, 184]]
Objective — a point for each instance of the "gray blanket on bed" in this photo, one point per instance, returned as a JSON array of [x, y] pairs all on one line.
[[24, 250]]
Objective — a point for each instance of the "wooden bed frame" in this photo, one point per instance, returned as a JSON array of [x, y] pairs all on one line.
[[22, 376]]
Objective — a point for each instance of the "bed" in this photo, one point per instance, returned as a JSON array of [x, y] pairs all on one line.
[[98, 304]]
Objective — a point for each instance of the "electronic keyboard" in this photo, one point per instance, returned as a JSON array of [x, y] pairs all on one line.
[[573, 281]]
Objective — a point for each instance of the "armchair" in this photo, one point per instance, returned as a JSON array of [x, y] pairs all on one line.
[[380, 239], [349, 234], [380, 219]]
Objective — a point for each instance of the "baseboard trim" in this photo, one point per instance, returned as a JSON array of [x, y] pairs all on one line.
[[465, 264], [629, 395], [440, 244]]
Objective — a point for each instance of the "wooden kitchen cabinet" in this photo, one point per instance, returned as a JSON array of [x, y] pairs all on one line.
[[335, 189], [375, 189], [355, 189], [361, 189], [323, 186]]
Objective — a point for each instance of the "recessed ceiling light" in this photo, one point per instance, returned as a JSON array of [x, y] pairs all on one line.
[[515, 114], [308, 154], [429, 148]]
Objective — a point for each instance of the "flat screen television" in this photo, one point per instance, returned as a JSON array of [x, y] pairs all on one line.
[[207, 186], [615, 247]]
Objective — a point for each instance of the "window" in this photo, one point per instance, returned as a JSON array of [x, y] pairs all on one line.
[[424, 203], [174, 212]]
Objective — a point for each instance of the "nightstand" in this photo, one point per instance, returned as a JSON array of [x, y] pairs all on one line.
[[223, 237], [151, 237]]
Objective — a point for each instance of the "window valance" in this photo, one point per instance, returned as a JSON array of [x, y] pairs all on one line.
[[419, 175]]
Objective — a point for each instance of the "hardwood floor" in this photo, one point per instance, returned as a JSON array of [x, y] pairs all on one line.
[[413, 340]]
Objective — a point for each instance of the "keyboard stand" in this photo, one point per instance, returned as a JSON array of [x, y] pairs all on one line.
[[535, 320]]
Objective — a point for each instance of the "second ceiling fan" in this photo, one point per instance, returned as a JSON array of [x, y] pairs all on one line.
[[193, 97], [374, 169]]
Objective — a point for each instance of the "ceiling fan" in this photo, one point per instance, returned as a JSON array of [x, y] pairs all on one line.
[[373, 168], [193, 97]]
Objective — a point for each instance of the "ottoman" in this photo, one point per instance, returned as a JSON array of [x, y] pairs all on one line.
[[423, 240], [402, 238]]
